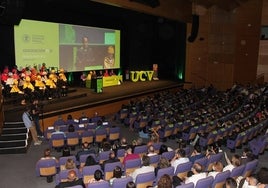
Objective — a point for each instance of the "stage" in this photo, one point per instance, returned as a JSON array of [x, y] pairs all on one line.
[[80, 98]]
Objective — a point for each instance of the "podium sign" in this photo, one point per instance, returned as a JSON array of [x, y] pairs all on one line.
[[99, 85]]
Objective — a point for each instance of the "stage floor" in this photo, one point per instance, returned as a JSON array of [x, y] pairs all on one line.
[[81, 98]]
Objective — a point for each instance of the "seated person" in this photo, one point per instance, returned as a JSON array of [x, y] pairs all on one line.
[[112, 159], [97, 177], [70, 164], [197, 174], [72, 180], [143, 169], [86, 149], [117, 173]]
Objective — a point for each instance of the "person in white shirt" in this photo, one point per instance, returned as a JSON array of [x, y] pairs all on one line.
[[235, 162], [151, 151], [179, 158], [198, 174], [217, 167], [144, 169]]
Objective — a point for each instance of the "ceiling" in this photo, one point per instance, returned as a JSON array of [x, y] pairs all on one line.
[[227, 5]]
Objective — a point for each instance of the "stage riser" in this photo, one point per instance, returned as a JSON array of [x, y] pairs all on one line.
[[14, 138]]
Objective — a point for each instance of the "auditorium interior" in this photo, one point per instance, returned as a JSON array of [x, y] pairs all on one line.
[[203, 49]]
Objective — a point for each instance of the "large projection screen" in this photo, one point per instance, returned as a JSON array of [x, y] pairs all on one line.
[[71, 47]]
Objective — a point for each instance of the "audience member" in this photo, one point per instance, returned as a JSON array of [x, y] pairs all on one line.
[[151, 151], [129, 155], [70, 164], [117, 173], [235, 162], [131, 184], [164, 182], [144, 168], [217, 167], [90, 161], [86, 149], [230, 183], [163, 163], [72, 180], [47, 155], [179, 158], [197, 174], [196, 154], [112, 159], [97, 177]]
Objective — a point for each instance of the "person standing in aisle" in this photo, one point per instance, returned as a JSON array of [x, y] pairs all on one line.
[[29, 124], [35, 111]]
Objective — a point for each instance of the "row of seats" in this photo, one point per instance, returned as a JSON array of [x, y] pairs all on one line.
[[44, 168], [73, 139]]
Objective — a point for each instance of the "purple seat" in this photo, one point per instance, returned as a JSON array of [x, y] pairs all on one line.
[[109, 168], [237, 171], [100, 134], [188, 185], [233, 144], [212, 159], [120, 154], [208, 140], [87, 136], [167, 132], [102, 184], [62, 161], [182, 169], [141, 150], [59, 122], [103, 155], [250, 168], [190, 135], [203, 161], [204, 182], [157, 146], [46, 167], [220, 179], [258, 146], [114, 133], [57, 141], [62, 176], [83, 158], [154, 160], [131, 165], [145, 179], [168, 155], [88, 172], [169, 171], [121, 182], [72, 139]]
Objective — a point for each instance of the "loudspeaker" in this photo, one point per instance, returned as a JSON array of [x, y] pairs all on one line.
[[11, 11], [195, 27]]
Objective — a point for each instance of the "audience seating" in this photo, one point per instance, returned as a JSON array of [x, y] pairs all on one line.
[[88, 172], [46, 168], [145, 179], [220, 178], [237, 171], [141, 150], [250, 168], [121, 182], [87, 136], [204, 182], [109, 168], [57, 141], [183, 169], [131, 165], [102, 184], [188, 185]]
